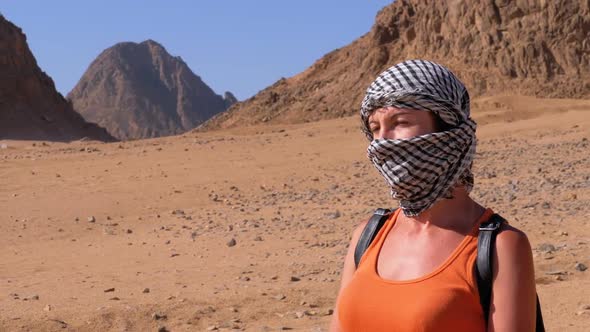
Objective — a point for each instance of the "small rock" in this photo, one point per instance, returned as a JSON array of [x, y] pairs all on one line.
[[109, 290], [129, 231], [333, 215], [146, 290], [91, 219], [159, 316], [294, 278], [258, 238], [163, 329], [212, 328], [47, 308], [299, 314], [328, 312], [231, 242], [580, 267], [114, 298], [280, 297], [546, 247]]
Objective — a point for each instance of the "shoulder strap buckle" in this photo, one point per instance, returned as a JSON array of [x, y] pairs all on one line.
[[382, 212], [491, 225]]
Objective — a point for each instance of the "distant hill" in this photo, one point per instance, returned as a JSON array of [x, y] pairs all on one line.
[[141, 91], [30, 107], [538, 48]]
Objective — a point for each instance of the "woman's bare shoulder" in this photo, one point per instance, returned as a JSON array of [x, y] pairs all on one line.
[[513, 253], [512, 239]]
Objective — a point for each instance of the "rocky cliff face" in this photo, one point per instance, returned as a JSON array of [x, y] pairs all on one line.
[[30, 107], [539, 48], [140, 91]]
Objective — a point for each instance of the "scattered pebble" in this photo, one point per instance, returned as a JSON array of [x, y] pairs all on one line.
[[159, 316], [546, 247], [231, 242]]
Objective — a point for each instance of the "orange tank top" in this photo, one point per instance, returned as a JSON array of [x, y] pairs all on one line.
[[445, 299]]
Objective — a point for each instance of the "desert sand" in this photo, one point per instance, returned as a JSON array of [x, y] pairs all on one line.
[[247, 228]]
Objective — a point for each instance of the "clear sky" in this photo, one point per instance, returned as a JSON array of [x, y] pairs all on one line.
[[239, 46]]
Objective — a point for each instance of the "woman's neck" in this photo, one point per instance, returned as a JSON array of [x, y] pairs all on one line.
[[459, 212]]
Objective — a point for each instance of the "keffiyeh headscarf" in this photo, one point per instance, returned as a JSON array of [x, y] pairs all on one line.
[[422, 170]]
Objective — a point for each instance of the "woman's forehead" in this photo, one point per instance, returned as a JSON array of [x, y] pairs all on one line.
[[391, 110]]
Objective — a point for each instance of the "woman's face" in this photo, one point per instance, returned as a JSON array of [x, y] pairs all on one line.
[[395, 123]]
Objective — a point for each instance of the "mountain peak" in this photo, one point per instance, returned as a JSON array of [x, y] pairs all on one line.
[[30, 107], [140, 91]]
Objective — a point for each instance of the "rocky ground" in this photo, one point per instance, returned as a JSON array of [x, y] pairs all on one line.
[[247, 229]]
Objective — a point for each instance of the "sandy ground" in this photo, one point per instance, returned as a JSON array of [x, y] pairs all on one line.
[[139, 235]]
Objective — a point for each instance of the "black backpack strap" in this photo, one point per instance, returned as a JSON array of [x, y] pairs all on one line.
[[369, 233], [485, 242], [540, 327]]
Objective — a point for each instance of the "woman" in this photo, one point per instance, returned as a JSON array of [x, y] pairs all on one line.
[[418, 274]]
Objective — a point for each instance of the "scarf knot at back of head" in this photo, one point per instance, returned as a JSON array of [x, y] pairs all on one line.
[[422, 170]]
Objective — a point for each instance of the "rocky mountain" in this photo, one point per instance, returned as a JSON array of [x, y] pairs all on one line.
[[30, 107], [538, 48], [140, 91]]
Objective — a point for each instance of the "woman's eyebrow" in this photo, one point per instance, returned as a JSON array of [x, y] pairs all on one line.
[[393, 115]]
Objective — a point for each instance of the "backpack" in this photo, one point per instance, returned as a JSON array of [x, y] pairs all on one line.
[[485, 241]]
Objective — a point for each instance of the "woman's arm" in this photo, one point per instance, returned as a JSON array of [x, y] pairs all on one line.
[[347, 272], [513, 301]]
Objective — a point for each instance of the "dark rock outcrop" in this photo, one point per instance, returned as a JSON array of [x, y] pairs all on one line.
[[30, 107]]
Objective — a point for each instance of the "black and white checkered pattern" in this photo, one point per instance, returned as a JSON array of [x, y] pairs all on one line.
[[422, 170]]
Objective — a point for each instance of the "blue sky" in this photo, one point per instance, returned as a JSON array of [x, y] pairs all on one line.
[[238, 46]]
